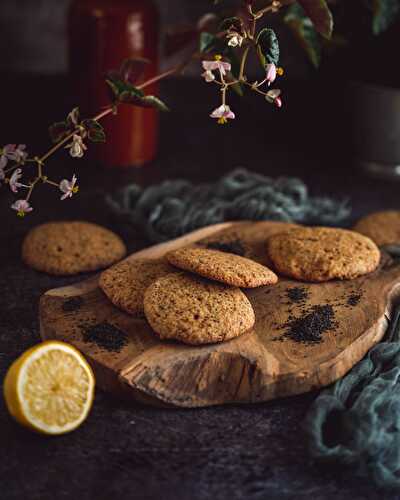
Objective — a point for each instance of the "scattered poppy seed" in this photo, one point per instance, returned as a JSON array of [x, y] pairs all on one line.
[[310, 327], [297, 294], [234, 246], [354, 299], [105, 336], [72, 304]]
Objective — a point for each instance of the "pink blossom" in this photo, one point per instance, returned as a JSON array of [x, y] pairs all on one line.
[[273, 96], [271, 73], [14, 184], [217, 65], [20, 154], [22, 207], [68, 187], [223, 113], [6, 153], [208, 76]]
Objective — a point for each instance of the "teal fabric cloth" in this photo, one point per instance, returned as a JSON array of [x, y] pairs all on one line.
[[356, 422], [176, 207]]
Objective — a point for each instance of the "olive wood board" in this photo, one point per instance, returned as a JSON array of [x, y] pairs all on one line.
[[261, 365]]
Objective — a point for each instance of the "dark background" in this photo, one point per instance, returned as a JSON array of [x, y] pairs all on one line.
[[33, 35], [131, 451]]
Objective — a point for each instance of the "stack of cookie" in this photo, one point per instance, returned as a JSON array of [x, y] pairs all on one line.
[[194, 294]]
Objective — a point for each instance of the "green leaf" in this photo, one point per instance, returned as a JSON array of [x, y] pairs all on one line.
[[58, 131], [305, 33], [113, 89], [268, 47], [143, 101], [122, 90], [97, 136], [73, 116], [154, 102], [90, 124], [129, 97], [384, 14], [321, 16], [132, 69], [94, 130], [231, 22], [208, 42]]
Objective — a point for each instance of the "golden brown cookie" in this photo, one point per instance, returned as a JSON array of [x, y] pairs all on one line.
[[125, 282], [322, 254], [66, 248], [382, 227], [224, 267], [196, 311]]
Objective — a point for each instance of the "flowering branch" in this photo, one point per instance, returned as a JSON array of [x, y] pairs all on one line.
[[224, 52], [240, 34], [73, 132]]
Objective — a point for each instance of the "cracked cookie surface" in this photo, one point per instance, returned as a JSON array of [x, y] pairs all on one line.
[[196, 311], [319, 254], [224, 267], [125, 282]]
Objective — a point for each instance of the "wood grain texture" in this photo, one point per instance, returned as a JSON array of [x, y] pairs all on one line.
[[258, 366]]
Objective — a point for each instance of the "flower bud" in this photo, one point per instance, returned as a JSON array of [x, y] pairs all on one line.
[[270, 73]]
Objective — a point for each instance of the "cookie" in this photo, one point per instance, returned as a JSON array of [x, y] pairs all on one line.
[[125, 282], [196, 311], [224, 267], [67, 248], [382, 227], [322, 254], [246, 239]]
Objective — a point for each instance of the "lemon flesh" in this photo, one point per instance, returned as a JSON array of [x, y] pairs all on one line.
[[50, 388]]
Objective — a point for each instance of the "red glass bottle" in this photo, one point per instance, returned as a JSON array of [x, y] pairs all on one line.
[[102, 33]]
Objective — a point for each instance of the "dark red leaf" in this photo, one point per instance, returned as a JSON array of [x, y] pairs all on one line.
[[58, 131], [132, 69], [320, 14]]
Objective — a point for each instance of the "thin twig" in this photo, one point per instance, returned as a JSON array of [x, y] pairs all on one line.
[[243, 63]]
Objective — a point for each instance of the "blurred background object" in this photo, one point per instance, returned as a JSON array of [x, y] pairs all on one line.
[[36, 36], [354, 95], [102, 34], [359, 78]]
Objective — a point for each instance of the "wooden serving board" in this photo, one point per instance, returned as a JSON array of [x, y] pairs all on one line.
[[258, 366]]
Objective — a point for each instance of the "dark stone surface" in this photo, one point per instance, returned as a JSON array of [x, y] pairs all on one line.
[[132, 451]]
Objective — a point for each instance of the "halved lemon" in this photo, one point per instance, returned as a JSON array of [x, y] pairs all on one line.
[[50, 388]]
